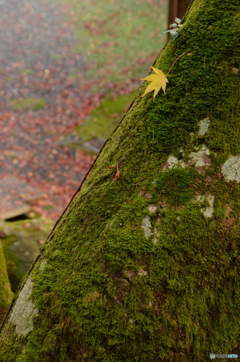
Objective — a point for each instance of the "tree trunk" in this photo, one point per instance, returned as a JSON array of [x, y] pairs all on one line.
[[144, 263], [5, 289], [177, 9]]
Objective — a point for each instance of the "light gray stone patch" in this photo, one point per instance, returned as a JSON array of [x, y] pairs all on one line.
[[209, 210], [231, 169], [147, 227], [203, 126], [24, 311], [200, 158]]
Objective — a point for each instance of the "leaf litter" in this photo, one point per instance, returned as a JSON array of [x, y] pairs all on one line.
[[45, 92]]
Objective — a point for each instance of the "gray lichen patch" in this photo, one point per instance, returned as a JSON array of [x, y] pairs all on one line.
[[152, 209], [146, 195], [209, 210], [231, 169], [235, 70], [172, 162], [200, 158], [147, 227], [142, 272], [156, 231], [42, 265], [156, 237], [203, 126], [23, 311]]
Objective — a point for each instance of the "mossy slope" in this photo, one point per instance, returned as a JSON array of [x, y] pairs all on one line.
[[136, 269]]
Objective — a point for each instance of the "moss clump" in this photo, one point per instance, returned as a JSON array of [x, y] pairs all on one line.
[[13, 264], [21, 244], [24, 104], [201, 79], [6, 294], [104, 118], [27, 71], [140, 300], [176, 185]]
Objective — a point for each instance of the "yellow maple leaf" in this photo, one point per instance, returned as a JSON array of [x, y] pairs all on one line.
[[158, 81]]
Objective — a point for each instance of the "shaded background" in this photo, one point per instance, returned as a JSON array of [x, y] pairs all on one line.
[[68, 71]]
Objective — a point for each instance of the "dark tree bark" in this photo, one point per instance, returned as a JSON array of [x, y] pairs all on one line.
[[144, 263], [177, 8]]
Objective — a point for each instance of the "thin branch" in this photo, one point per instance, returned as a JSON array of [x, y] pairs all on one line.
[[175, 61]]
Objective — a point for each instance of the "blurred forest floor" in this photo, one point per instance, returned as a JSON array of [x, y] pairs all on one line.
[[59, 60]]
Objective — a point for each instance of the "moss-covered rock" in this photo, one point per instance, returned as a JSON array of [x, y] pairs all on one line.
[[104, 119], [144, 263], [21, 244]]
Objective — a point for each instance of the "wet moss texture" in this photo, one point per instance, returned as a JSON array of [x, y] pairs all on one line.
[[144, 264], [6, 294]]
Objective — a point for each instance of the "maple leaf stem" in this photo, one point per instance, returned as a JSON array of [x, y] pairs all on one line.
[[117, 174], [175, 61]]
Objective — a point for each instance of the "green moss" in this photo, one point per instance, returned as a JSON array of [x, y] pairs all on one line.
[[14, 270], [21, 245], [105, 117], [5, 289], [175, 185], [109, 291], [132, 296], [23, 104], [27, 71], [200, 297], [200, 81]]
